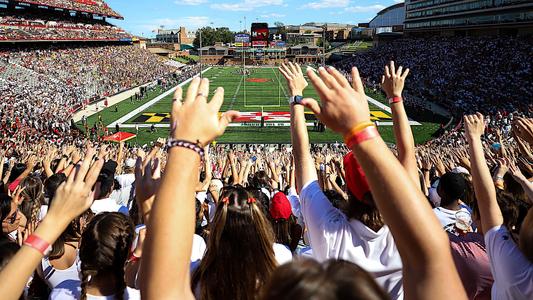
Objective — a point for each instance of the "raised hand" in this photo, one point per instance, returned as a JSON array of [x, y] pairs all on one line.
[[196, 120], [342, 106], [74, 196], [393, 81], [147, 180], [474, 126], [523, 128], [295, 78]]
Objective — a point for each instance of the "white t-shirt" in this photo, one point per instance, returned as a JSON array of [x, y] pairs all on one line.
[[72, 291], [108, 205], [333, 236], [54, 277], [512, 271], [198, 248], [282, 253], [447, 216], [126, 189]]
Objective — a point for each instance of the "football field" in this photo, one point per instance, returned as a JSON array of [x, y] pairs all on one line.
[[259, 93]]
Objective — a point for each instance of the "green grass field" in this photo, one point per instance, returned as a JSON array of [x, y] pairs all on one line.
[[263, 89]]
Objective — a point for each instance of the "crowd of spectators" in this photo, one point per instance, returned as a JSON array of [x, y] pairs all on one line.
[[40, 88], [98, 7], [27, 28], [450, 219], [452, 71]]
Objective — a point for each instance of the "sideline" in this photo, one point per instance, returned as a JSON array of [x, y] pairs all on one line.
[[143, 107]]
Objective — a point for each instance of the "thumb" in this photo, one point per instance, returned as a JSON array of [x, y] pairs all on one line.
[[227, 118], [313, 105]]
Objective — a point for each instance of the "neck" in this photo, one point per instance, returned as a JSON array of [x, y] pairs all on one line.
[[102, 285], [454, 205]]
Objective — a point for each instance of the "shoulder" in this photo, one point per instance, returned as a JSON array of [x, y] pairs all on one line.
[[282, 253]]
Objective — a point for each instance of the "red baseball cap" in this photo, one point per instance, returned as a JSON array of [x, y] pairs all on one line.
[[355, 177], [280, 208]]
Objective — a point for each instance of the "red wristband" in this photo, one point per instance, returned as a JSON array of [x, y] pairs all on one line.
[[38, 244], [363, 135], [395, 100]]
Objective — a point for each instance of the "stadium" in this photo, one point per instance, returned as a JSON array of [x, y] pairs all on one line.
[[386, 159]]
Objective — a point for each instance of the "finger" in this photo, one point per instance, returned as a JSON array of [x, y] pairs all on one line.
[[382, 79], [192, 91], [156, 168], [341, 80], [298, 68], [284, 73], [84, 168], [148, 167], [328, 79], [319, 85], [178, 94], [399, 71], [357, 84], [392, 68], [387, 72], [293, 68], [217, 100], [176, 106], [287, 70], [93, 173], [405, 73], [203, 90], [138, 168], [227, 118], [313, 105]]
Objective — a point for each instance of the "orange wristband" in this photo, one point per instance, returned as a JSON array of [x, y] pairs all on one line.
[[357, 128], [361, 136]]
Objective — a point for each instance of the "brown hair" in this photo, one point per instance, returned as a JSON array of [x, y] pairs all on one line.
[[332, 280], [240, 255], [104, 249], [368, 214], [526, 236], [33, 197]]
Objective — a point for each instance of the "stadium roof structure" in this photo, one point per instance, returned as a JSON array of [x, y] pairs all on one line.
[[95, 7]]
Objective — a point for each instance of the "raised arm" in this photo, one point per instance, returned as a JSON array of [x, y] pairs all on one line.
[[304, 167], [489, 210], [172, 223], [392, 83], [416, 230], [72, 198]]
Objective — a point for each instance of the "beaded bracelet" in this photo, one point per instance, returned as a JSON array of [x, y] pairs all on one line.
[[187, 145]]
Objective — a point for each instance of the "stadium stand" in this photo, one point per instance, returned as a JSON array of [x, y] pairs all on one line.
[[79, 60], [456, 71], [89, 6]]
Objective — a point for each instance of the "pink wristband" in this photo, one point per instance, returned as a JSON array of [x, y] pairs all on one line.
[[38, 244], [363, 135], [395, 100]]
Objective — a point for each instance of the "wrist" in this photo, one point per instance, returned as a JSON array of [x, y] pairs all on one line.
[[297, 93]]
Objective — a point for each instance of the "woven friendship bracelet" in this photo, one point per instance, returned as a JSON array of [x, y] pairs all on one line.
[[188, 145]]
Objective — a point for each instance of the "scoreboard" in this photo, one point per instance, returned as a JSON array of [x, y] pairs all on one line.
[[259, 34]]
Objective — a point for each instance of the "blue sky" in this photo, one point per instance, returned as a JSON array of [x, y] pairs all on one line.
[[143, 16]]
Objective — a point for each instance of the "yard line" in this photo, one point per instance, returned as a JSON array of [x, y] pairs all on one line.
[[235, 94], [281, 85], [152, 102]]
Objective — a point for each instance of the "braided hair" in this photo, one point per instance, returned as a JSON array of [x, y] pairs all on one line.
[[33, 197], [104, 249]]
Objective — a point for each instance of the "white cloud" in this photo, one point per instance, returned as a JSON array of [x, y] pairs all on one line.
[[246, 5], [365, 9], [192, 22], [190, 2], [327, 4], [272, 16], [399, 1]]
